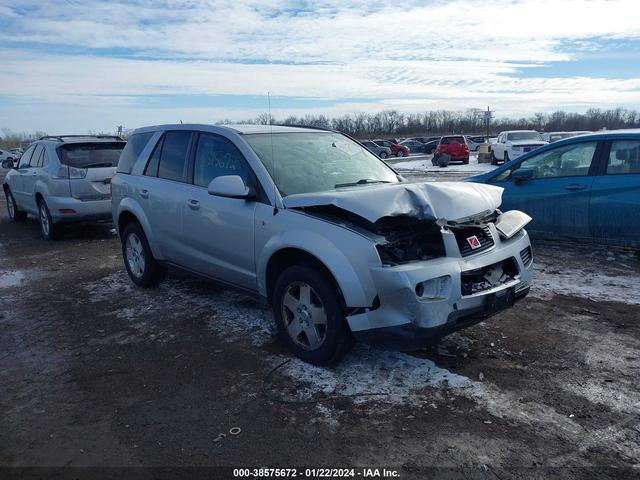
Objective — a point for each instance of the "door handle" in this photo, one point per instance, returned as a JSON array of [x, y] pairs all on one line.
[[574, 187], [193, 204], [144, 193]]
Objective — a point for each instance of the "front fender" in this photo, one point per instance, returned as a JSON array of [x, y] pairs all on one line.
[[130, 205], [357, 254]]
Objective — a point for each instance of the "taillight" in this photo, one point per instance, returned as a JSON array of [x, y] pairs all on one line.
[[62, 172], [77, 173], [73, 173]]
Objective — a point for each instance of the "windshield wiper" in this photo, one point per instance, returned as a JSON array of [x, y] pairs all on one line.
[[362, 181]]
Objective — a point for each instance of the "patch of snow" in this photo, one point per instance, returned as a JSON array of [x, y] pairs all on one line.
[[393, 377], [223, 310], [425, 165], [610, 280], [12, 278]]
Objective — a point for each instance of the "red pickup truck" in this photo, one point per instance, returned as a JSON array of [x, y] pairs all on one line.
[[455, 146]]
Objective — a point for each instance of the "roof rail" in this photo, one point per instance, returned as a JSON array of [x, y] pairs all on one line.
[[61, 138], [324, 129]]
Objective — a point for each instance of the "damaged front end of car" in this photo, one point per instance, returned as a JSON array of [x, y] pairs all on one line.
[[442, 266]]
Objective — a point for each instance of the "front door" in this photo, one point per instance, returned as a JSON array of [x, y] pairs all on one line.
[[219, 231], [557, 195]]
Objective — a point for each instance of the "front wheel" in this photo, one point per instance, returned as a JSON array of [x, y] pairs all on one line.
[[383, 155], [48, 229], [506, 156], [494, 160], [15, 214], [309, 315], [142, 267]]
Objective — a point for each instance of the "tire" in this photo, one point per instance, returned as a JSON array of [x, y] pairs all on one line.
[[494, 160], [320, 341], [142, 267], [506, 156], [400, 154], [465, 162], [15, 214], [49, 230], [383, 155]]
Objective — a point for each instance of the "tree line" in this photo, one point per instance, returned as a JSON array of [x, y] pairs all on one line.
[[392, 123]]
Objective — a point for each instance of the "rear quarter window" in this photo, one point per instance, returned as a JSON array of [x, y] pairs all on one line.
[[133, 149]]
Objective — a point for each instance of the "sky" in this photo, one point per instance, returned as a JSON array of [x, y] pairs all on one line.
[[76, 66]]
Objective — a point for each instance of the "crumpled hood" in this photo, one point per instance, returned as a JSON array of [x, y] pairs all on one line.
[[451, 201]]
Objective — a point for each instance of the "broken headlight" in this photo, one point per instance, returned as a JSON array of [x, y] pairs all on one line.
[[510, 223]]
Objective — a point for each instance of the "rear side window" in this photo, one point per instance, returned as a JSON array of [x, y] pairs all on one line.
[[36, 156], [132, 151], [624, 157], [154, 161], [174, 155], [90, 155]]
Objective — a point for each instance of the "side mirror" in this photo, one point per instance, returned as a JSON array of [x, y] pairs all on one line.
[[7, 164], [230, 186], [521, 175]]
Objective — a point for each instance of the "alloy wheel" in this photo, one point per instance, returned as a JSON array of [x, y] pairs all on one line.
[[11, 206], [44, 220], [135, 255], [304, 316]]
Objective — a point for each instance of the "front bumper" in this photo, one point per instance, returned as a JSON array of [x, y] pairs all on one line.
[[68, 209], [403, 317]]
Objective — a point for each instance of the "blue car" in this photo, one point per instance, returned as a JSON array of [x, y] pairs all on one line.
[[583, 188]]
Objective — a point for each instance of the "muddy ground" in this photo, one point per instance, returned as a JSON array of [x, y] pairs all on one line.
[[96, 372]]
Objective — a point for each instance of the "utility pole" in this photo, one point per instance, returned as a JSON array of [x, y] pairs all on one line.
[[487, 119]]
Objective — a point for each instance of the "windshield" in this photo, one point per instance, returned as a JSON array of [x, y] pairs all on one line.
[[317, 162], [90, 155], [524, 136]]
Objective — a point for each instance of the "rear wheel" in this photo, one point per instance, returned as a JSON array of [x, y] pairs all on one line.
[[142, 268], [506, 156], [15, 214], [400, 153], [48, 229], [309, 315], [494, 160], [465, 161]]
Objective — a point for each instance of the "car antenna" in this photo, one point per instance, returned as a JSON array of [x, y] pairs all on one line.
[[273, 158]]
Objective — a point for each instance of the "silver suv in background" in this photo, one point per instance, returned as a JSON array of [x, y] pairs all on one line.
[[63, 179], [337, 242]]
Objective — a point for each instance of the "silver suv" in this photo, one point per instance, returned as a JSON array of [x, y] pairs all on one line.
[[63, 179], [337, 242]]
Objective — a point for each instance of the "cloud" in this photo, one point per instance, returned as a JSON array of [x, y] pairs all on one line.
[[107, 56]]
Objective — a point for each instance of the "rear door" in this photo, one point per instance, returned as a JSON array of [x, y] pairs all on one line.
[[25, 178], [29, 180], [15, 178], [162, 191], [91, 167], [557, 197], [615, 194]]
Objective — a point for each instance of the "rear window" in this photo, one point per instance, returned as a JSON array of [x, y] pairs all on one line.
[[90, 155], [447, 140], [132, 151]]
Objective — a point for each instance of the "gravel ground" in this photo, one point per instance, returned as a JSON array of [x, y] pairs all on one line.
[[96, 372]]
